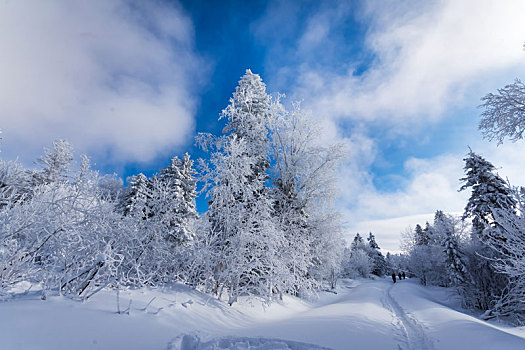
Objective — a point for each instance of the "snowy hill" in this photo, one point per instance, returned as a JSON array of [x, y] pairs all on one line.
[[364, 314]]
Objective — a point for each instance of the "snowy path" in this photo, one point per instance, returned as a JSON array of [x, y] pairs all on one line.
[[412, 332], [364, 314]]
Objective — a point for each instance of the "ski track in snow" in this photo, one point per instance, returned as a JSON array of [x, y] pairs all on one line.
[[411, 331]]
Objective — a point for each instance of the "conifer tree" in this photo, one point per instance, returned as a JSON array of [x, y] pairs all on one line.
[[489, 192], [240, 208], [377, 257], [420, 237], [457, 270], [135, 200], [248, 116], [372, 244], [174, 192], [358, 242]]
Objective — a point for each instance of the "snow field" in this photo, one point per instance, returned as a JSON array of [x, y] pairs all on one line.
[[364, 314]]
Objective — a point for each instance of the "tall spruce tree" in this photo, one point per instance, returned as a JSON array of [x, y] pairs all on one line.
[[376, 256], [134, 201], [420, 237], [358, 242], [240, 208], [175, 191], [455, 260], [489, 193], [248, 117]]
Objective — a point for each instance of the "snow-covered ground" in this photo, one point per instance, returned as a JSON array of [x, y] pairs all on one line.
[[364, 314]]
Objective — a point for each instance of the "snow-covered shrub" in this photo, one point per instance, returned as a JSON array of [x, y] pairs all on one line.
[[358, 264]]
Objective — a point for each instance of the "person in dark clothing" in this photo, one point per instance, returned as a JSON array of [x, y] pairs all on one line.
[[404, 276], [399, 275], [394, 277]]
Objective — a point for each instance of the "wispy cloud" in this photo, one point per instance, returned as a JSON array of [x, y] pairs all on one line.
[[426, 55], [113, 77], [418, 64]]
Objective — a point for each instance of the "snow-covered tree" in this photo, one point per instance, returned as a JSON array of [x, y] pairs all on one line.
[[248, 116], [357, 263], [110, 186], [358, 242], [173, 199], [163, 209], [247, 242], [303, 175], [354, 261], [397, 262], [55, 164], [448, 231], [372, 244], [489, 192], [240, 208], [427, 256], [134, 201], [420, 237], [456, 267], [12, 181], [511, 263], [63, 236], [379, 263], [504, 113]]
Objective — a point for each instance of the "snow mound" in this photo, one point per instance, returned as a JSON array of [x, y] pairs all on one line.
[[193, 342]]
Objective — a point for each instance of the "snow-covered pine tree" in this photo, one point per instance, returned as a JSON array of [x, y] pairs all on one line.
[[420, 237], [489, 192], [372, 244], [174, 193], [134, 201], [248, 116], [163, 210], [447, 229], [240, 209], [426, 258], [454, 261], [377, 257], [358, 242], [427, 233]]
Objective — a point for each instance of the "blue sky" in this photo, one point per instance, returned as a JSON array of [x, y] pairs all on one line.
[[130, 83]]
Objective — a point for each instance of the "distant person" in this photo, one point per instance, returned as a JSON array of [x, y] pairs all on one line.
[[399, 275], [404, 276], [394, 277]]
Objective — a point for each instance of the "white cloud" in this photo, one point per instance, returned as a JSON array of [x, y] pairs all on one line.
[[427, 55], [112, 77]]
